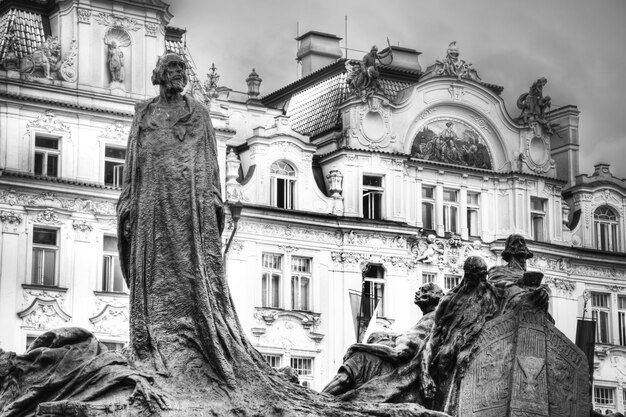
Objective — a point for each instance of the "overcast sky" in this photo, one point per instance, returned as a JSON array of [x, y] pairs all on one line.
[[578, 45]]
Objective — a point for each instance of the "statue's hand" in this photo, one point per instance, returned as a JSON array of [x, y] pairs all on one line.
[[540, 296]]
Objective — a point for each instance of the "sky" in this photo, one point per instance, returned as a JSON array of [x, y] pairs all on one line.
[[578, 45]]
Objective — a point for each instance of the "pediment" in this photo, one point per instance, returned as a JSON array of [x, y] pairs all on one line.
[[44, 315], [111, 320]]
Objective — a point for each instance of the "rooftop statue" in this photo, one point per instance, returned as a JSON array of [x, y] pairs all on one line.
[[453, 66], [362, 78], [381, 369], [534, 105]]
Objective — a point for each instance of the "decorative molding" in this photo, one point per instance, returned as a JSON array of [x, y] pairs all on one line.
[[48, 122], [44, 315], [48, 217], [11, 217], [117, 21], [482, 123], [112, 320], [151, 29], [117, 132], [565, 285], [426, 113], [456, 91], [288, 248], [79, 205], [84, 15], [268, 316], [81, 226], [31, 292], [615, 288]]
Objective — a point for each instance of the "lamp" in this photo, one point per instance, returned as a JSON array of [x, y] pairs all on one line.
[[235, 213]]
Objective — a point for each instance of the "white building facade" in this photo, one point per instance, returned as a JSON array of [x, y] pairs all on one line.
[[349, 203]]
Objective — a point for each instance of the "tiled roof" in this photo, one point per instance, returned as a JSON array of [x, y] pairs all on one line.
[[28, 30], [315, 110]]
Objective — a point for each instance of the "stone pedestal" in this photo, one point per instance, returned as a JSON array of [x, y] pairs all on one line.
[[523, 367]]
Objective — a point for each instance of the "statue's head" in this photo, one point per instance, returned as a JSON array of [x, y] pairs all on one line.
[[428, 296], [453, 51], [515, 247], [374, 49], [170, 72], [475, 270]]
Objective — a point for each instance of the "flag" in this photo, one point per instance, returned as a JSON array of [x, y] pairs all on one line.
[[371, 325]]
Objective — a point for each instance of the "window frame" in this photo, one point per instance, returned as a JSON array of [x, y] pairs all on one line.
[[377, 285], [450, 207], [114, 256], [289, 185], [305, 378], [473, 208], [596, 312], [120, 163], [429, 203], [373, 194], [430, 275], [273, 292], [47, 152], [451, 278], [44, 247], [536, 213], [298, 301], [613, 237]]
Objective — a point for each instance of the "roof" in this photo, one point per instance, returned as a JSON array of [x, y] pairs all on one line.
[[312, 103], [27, 27]]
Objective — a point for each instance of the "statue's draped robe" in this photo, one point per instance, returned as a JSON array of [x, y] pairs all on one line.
[[182, 319]]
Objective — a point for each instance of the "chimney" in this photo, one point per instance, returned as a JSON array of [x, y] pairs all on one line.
[[254, 86], [564, 142], [405, 58], [317, 50]]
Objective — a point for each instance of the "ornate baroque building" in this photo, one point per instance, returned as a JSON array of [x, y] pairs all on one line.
[[358, 183]]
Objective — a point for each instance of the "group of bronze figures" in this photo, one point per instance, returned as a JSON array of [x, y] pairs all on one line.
[[188, 354]]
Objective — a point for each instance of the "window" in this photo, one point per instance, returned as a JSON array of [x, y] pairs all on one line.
[[45, 254], [538, 218], [428, 277], [114, 166], [304, 369], [621, 320], [606, 229], [473, 210], [112, 278], [273, 360], [372, 197], [47, 156], [450, 211], [373, 290], [282, 185], [428, 207], [271, 276], [451, 281], [600, 313], [300, 283], [29, 341], [604, 396]]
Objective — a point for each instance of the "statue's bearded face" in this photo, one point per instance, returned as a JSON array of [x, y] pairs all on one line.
[[174, 76], [518, 248]]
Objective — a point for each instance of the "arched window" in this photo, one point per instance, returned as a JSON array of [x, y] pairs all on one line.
[[606, 228], [282, 185]]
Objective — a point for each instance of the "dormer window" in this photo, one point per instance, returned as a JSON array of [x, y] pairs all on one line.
[[282, 185]]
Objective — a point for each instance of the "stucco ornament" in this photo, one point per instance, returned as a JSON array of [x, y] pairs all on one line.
[[452, 66], [362, 77], [535, 106]]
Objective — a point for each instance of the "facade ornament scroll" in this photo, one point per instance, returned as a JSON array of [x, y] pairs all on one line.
[[309, 321], [10, 217], [48, 217], [44, 315], [118, 21], [615, 288], [48, 122], [84, 15], [151, 29], [30, 293], [79, 205], [536, 153], [565, 285], [117, 132], [112, 320], [374, 124], [452, 66]]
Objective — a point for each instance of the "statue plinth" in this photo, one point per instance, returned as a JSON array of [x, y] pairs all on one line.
[[524, 366]]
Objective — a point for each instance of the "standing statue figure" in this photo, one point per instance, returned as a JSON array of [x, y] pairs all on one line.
[[381, 369], [453, 66], [534, 105], [363, 78], [171, 217], [115, 59]]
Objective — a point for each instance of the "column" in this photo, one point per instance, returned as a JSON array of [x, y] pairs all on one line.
[[463, 212]]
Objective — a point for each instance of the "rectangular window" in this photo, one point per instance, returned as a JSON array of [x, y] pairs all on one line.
[[271, 276], [282, 192], [112, 278], [300, 283], [428, 207], [621, 319], [428, 277], [600, 311], [373, 291], [304, 369], [372, 197], [604, 396], [114, 166], [450, 211], [451, 281], [45, 254], [473, 210], [47, 156], [538, 218], [113, 346], [273, 360]]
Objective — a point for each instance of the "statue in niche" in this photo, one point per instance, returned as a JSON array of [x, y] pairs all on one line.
[[452, 66], [381, 369], [362, 78], [534, 105], [115, 39]]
